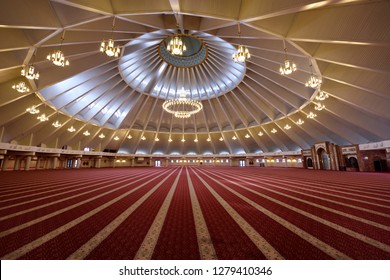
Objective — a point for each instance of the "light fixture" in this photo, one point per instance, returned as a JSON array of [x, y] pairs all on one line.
[[129, 136], [71, 129], [86, 133], [300, 122], [43, 118], [319, 106], [32, 110], [311, 115], [322, 95], [183, 140], [56, 124], [108, 47], [170, 139], [247, 136], [242, 52], [116, 138], [143, 138], [101, 136], [287, 127], [289, 66], [274, 130], [221, 139], [57, 57], [175, 45], [196, 140], [208, 139], [29, 70], [234, 137], [21, 87], [156, 139], [313, 81], [182, 107], [260, 133]]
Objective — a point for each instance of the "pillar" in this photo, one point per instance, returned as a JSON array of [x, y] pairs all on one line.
[[55, 160], [98, 163], [17, 163], [5, 163], [28, 163]]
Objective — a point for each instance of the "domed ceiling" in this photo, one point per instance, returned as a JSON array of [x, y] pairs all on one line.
[[247, 107]]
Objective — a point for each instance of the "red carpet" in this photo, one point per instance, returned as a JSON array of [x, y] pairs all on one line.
[[194, 213]]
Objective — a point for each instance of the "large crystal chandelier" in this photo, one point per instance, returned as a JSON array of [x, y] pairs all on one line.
[[182, 107], [57, 57], [242, 52], [108, 47], [176, 45], [289, 66]]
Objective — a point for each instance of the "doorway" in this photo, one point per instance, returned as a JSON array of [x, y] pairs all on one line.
[[242, 162], [157, 163]]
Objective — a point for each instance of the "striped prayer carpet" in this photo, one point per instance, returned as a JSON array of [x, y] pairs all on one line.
[[194, 213]]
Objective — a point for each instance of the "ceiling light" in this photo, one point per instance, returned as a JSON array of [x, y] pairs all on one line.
[[289, 66], [29, 72], [196, 140], [101, 136], [287, 127], [319, 106], [71, 129], [247, 136], [260, 133], [170, 139], [175, 45], [182, 107], [143, 138], [108, 47], [242, 52], [322, 95], [234, 137], [183, 140], [300, 122], [156, 139], [32, 110], [116, 138], [86, 133], [274, 130], [129, 136], [21, 87], [43, 118], [311, 115], [57, 57], [313, 81], [56, 124], [208, 139], [221, 139]]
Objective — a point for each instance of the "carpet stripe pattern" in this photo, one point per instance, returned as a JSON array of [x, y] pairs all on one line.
[[194, 213]]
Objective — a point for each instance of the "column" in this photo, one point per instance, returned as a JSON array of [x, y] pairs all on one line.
[[17, 163], [28, 163], [55, 160], [98, 163], [132, 162], [5, 163]]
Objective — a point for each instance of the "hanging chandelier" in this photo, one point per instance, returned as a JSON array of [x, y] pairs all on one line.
[[43, 117], [71, 129], [242, 52], [101, 136], [176, 45], [57, 57], [29, 72], [182, 107], [32, 110], [313, 81], [21, 87], [108, 46], [289, 66], [322, 95], [56, 124]]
